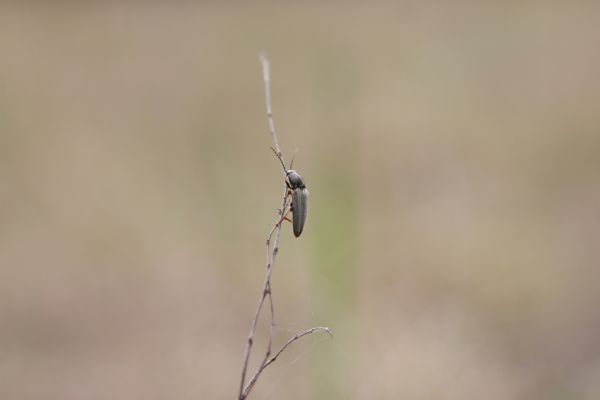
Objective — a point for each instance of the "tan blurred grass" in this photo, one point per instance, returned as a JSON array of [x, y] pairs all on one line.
[[452, 153]]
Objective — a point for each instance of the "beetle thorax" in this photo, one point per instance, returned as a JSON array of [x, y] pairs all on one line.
[[294, 179]]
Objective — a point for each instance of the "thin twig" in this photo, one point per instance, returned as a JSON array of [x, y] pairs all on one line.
[[267, 79], [271, 255], [285, 346], [298, 336]]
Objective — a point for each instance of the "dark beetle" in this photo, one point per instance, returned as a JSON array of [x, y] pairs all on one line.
[[299, 206], [297, 189]]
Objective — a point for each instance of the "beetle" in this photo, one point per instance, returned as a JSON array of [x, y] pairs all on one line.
[[299, 193]]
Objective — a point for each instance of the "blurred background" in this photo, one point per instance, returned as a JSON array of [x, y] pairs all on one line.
[[452, 152]]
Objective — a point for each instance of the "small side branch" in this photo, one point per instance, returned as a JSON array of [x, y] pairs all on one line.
[[297, 336], [268, 362]]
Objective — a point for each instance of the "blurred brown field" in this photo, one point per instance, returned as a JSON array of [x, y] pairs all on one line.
[[452, 151]]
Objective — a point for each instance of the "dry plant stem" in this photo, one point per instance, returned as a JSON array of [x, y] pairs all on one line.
[[268, 360], [271, 252], [271, 255], [267, 79]]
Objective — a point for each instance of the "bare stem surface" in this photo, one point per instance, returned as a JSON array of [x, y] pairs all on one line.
[[272, 250]]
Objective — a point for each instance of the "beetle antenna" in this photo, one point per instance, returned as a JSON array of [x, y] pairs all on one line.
[[293, 158], [280, 159]]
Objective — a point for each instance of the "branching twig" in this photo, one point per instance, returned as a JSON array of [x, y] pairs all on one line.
[[285, 346], [272, 251]]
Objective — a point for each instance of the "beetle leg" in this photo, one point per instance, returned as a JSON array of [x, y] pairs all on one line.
[[285, 217]]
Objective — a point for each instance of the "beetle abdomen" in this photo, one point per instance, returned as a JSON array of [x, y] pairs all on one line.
[[299, 209]]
